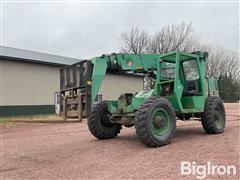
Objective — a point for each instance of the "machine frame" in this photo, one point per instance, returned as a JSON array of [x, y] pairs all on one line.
[[181, 90]]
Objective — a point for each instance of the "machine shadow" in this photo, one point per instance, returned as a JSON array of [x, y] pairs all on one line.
[[182, 134], [186, 132]]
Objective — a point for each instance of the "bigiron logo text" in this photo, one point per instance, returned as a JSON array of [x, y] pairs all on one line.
[[201, 171]]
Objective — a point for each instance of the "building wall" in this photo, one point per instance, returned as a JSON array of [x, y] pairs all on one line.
[[114, 85], [28, 88], [28, 85]]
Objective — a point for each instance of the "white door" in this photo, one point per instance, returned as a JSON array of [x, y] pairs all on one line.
[[57, 102]]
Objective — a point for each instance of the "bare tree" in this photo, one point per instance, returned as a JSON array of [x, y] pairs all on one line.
[[134, 41], [169, 38], [222, 61], [173, 37]]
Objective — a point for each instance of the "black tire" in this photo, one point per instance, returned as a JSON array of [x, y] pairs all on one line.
[[98, 122], [213, 117], [145, 122]]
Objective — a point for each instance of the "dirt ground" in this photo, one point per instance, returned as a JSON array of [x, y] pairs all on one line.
[[48, 148]]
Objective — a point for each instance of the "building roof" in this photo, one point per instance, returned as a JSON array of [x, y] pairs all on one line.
[[35, 57]]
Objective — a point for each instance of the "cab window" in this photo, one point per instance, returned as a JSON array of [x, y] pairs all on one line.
[[168, 70], [191, 70]]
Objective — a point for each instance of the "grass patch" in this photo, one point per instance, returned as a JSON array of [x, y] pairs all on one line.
[[26, 117], [7, 121]]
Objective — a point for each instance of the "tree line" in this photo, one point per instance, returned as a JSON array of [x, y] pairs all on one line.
[[222, 64]]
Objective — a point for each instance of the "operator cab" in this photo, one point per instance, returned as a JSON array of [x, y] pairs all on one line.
[[181, 82]]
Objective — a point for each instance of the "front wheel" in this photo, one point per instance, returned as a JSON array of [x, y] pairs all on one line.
[[155, 122], [213, 117], [99, 124]]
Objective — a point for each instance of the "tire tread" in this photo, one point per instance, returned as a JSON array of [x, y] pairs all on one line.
[[207, 116], [93, 125], [141, 122]]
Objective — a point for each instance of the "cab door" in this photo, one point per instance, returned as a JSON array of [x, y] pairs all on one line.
[[193, 92]]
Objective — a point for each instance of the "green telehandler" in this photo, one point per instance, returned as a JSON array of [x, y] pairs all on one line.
[[181, 91]]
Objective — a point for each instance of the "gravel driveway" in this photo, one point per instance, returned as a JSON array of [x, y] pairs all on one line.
[[57, 150]]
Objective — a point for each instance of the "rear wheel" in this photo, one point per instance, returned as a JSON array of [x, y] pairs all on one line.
[[99, 124], [213, 117], [155, 122]]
